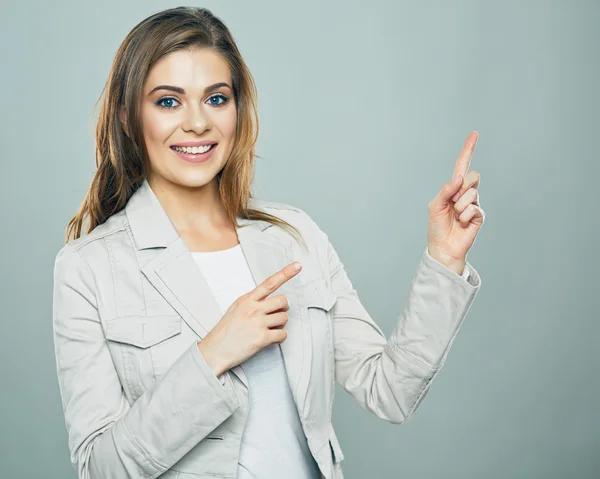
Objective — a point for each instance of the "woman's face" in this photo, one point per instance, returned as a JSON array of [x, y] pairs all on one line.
[[187, 98]]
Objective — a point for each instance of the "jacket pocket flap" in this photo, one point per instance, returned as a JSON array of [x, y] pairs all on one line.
[[143, 331], [318, 295]]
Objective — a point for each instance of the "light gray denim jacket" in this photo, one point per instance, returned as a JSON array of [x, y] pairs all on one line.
[[139, 400]]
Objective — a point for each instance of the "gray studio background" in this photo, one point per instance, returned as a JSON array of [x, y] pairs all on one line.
[[364, 107]]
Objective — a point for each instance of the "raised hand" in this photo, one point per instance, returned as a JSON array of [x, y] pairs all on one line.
[[250, 324], [455, 216]]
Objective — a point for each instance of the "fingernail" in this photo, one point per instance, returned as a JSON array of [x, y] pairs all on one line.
[[296, 266], [456, 197]]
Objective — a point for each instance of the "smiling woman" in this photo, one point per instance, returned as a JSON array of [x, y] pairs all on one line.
[[199, 332], [176, 108], [177, 85]]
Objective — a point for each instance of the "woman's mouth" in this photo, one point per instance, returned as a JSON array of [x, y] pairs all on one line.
[[196, 154]]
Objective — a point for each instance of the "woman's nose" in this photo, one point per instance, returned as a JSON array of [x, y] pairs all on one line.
[[196, 120]]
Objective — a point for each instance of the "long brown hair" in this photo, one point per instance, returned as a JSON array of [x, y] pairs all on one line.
[[122, 158]]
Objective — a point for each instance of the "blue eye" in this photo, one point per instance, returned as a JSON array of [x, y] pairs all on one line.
[[225, 99], [167, 101], [167, 98]]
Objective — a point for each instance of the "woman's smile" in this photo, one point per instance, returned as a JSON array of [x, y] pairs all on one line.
[[194, 154]]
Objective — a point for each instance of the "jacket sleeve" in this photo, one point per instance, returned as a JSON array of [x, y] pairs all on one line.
[[391, 377], [108, 437]]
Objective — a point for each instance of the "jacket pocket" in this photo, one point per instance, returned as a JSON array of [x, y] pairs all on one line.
[[318, 295], [318, 301], [146, 345], [143, 331]]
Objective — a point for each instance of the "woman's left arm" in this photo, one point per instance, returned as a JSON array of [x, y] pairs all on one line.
[[391, 377]]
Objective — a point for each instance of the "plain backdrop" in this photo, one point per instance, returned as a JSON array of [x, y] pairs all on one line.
[[364, 107]]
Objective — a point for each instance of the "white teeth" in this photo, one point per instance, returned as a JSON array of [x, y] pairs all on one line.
[[193, 150]]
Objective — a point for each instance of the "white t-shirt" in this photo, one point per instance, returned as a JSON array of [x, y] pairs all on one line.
[[273, 443]]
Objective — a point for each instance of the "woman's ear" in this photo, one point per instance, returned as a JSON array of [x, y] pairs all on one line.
[[123, 118]]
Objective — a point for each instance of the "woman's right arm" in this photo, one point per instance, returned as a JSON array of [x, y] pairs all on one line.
[[108, 437]]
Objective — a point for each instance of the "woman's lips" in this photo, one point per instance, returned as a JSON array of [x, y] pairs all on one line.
[[196, 157]]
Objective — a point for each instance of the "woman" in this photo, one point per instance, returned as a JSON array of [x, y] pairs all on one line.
[[187, 343]]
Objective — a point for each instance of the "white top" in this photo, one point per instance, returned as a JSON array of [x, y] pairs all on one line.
[[273, 443]]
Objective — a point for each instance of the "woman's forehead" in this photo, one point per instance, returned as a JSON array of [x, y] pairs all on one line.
[[191, 70]]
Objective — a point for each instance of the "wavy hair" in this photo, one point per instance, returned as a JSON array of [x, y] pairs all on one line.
[[122, 158]]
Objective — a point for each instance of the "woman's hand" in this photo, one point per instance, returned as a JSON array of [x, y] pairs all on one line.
[[250, 324], [455, 215]]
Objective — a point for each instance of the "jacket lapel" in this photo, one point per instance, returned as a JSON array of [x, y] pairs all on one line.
[[169, 266], [265, 255]]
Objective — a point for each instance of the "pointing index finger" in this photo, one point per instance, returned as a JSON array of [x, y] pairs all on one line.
[[464, 159], [273, 282]]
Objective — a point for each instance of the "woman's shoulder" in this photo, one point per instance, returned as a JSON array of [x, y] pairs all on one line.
[[291, 213], [75, 247], [262, 204]]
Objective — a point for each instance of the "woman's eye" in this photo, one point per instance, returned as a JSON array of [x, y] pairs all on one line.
[[169, 102], [225, 99]]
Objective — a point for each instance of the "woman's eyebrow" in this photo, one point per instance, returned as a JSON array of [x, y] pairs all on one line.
[[181, 91]]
